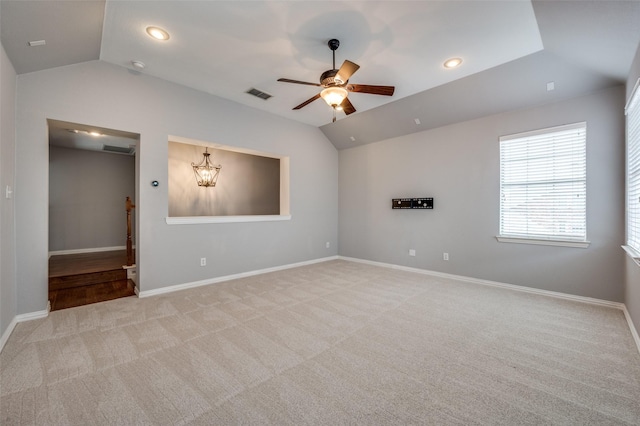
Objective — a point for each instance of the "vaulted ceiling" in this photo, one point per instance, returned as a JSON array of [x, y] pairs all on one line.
[[511, 51]]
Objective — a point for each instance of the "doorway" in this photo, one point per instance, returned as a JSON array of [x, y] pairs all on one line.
[[92, 171]]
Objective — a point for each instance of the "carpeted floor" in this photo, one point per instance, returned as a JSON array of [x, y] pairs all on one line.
[[333, 343]]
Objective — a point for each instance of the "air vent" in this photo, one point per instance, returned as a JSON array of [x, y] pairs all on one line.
[[117, 149], [259, 94]]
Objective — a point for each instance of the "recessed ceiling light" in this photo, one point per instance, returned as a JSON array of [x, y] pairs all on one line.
[[158, 33], [138, 64], [86, 132], [452, 63]]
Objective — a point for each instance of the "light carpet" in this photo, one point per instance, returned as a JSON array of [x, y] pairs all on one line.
[[333, 343]]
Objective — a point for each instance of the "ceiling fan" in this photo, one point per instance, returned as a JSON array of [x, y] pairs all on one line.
[[336, 87]]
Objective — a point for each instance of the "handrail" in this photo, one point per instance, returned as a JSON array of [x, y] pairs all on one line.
[[129, 206]]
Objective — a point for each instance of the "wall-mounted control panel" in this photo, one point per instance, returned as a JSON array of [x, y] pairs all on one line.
[[412, 203]]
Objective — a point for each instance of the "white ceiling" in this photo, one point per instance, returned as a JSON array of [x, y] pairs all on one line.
[[227, 47], [91, 138], [511, 49]]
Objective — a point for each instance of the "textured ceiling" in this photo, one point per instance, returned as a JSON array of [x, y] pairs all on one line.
[[511, 50], [226, 48]]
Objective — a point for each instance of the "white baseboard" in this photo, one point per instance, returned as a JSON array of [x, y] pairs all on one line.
[[178, 287], [184, 286], [555, 294], [21, 318], [87, 250], [632, 328], [7, 333], [524, 289]]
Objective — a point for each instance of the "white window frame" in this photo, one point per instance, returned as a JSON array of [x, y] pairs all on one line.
[[632, 190], [565, 180]]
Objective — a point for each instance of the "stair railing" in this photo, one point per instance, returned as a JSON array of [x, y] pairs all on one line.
[[130, 258]]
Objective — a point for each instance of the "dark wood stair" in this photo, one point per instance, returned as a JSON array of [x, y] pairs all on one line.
[[80, 279], [85, 295]]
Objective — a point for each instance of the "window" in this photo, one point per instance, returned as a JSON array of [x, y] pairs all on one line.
[[543, 187], [633, 170]]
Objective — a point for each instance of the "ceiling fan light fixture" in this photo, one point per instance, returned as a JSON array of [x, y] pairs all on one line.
[[334, 96], [158, 33], [335, 87]]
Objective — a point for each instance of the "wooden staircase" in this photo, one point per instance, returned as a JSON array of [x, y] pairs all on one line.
[[72, 270], [83, 278], [89, 278]]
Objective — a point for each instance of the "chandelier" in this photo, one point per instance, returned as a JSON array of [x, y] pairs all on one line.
[[206, 173]]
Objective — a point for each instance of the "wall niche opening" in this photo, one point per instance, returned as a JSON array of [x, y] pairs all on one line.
[[251, 185]]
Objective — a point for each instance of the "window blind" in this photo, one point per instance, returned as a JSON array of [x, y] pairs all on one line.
[[633, 170], [543, 184]]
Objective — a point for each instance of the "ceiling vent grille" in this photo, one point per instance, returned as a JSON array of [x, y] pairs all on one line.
[[117, 149], [259, 94]]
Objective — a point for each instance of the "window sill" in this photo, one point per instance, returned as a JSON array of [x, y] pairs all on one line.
[[193, 220], [632, 253], [558, 243]]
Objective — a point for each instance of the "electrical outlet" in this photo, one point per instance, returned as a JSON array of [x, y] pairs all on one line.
[[203, 261], [412, 252], [328, 244], [445, 256]]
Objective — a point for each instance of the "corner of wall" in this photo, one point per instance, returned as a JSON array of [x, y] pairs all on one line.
[[8, 282]]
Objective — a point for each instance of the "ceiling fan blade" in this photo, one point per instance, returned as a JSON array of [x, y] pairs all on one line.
[[307, 102], [345, 72], [374, 90], [286, 80], [347, 106]]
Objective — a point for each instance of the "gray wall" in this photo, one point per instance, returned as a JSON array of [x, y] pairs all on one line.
[[169, 254], [87, 193], [458, 165], [8, 286], [632, 270], [247, 184]]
